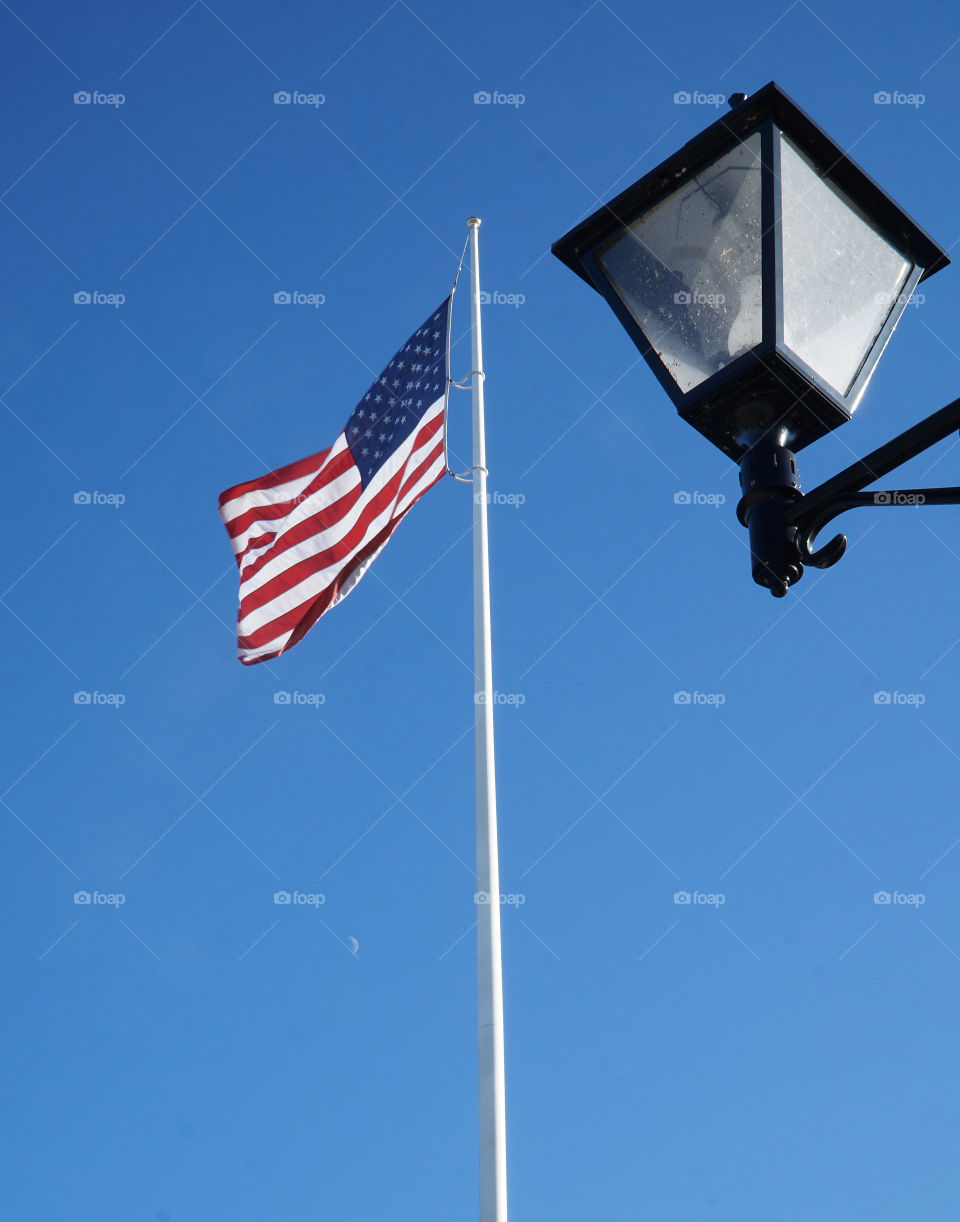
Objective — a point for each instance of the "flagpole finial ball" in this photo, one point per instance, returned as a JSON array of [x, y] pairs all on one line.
[[473, 221]]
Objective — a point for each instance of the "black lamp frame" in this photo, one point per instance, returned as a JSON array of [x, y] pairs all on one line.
[[768, 403], [769, 386]]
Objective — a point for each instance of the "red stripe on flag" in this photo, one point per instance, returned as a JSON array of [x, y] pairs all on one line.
[[294, 470], [323, 602], [342, 551], [279, 509], [299, 571], [420, 472], [324, 520], [327, 517]]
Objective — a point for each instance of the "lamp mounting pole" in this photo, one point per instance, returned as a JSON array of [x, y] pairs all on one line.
[[784, 524]]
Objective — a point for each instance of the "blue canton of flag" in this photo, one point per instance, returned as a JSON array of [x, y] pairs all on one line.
[[398, 400]]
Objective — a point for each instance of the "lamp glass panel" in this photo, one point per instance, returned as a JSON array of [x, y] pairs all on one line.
[[841, 277], [689, 270]]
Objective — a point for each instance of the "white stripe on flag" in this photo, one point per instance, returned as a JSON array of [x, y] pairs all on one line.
[[314, 585]]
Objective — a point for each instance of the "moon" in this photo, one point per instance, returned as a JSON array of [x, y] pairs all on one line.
[[353, 945]]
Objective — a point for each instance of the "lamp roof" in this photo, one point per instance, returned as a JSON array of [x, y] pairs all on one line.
[[900, 229]]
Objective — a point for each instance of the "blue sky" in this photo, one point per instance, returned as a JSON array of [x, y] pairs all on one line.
[[198, 1051]]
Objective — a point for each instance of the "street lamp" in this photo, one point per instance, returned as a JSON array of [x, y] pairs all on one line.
[[761, 273]]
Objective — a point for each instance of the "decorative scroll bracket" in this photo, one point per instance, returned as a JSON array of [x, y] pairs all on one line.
[[784, 523]]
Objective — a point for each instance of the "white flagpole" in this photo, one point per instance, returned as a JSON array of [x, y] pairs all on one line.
[[492, 1112]]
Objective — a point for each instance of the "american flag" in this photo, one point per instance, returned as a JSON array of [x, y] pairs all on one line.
[[305, 534]]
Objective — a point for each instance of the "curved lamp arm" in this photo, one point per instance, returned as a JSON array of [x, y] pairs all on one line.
[[809, 525], [784, 523]]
